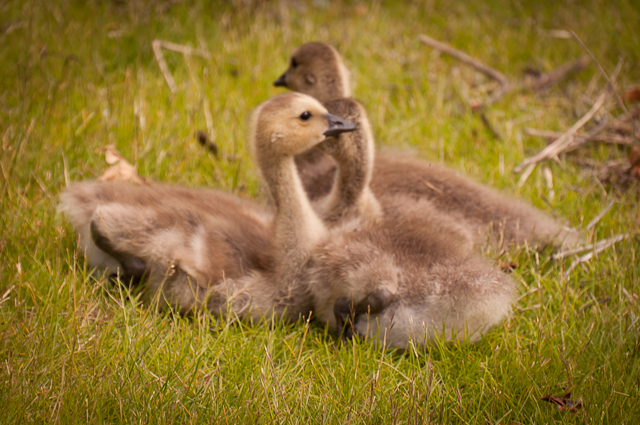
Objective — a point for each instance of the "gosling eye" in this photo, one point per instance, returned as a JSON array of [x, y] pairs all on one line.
[[294, 63], [305, 116]]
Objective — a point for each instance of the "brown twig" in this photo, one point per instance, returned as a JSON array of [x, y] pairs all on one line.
[[157, 51], [615, 139], [464, 58], [597, 164], [506, 86], [597, 247], [542, 82], [546, 134], [158, 45], [622, 125], [490, 126], [551, 78], [597, 218], [563, 141], [594, 302], [548, 177], [577, 142], [525, 175], [503, 81], [179, 48], [566, 140], [610, 80]]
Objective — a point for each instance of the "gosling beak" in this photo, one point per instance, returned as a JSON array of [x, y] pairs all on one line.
[[280, 82], [337, 125]]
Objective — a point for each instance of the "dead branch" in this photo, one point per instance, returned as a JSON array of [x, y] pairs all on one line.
[[597, 218], [597, 248], [548, 176], [567, 140], [207, 115], [603, 167], [546, 134], [179, 48], [464, 58], [158, 45], [622, 125], [563, 141], [621, 174], [628, 123], [544, 81], [614, 139], [506, 86], [557, 33], [525, 175], [610, 80], [551, 78], [577, 142], [490, 127], [593, 302], [157, 52]]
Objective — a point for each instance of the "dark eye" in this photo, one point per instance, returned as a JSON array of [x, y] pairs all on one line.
[[294, 63], [305, 116]]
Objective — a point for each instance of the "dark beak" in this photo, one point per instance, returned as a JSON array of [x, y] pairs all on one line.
[[337, 125], [280, 82]]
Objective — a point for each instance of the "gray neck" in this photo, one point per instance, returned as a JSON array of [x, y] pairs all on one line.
[[297, 230], [350, 195], [333, 89]]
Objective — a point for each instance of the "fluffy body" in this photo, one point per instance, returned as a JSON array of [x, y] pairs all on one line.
[[188, 240]]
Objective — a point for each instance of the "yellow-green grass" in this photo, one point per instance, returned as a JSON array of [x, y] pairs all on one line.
[[77, 76]]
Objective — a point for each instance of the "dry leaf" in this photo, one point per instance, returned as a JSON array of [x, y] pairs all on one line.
[[564, 402], [633, 94], [635, 162], [120, 170], [111, 154]]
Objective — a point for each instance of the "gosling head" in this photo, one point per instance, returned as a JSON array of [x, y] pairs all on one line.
[[289, 124], [316, 69]]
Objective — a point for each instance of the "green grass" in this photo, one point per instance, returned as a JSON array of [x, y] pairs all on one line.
[[75, 349]]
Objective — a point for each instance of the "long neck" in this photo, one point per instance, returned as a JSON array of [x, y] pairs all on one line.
[[343, 74], [297, 230], [336, 84], [297, 227], [350, 195], [333, 88]]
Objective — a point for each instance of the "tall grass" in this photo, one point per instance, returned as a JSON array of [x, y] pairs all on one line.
[[77, 76]]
